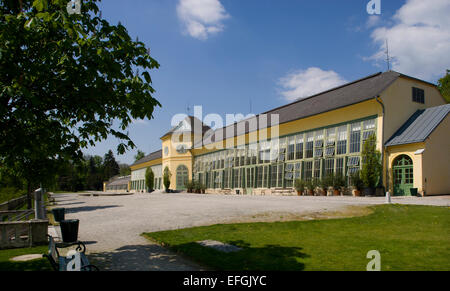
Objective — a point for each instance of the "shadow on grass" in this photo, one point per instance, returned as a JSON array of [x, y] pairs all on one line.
[[266, 258]]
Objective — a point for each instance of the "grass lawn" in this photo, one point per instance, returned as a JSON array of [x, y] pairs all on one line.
[[407, 237], [34, 265]]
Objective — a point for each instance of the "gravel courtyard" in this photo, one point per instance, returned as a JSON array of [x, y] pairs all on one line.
[[111, 225]]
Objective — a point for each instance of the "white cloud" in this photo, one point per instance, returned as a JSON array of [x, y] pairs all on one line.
[[419, 39], [201, 18], [304, 83], [373, 21]]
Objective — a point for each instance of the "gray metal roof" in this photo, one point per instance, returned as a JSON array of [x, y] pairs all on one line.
[[119, 181], [345, 95], [419, 126], [153, 156]]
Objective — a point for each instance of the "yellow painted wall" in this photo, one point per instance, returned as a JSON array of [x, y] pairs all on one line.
[[436, 160], [174, 159], [399, 105], [409, 149]]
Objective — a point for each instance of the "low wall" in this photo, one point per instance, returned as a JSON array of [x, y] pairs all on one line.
[[20, 234]]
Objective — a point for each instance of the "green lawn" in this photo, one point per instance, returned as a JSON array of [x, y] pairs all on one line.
[[34, 265], [407, 237]]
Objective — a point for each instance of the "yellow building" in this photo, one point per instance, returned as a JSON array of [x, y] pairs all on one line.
[[314, 137]]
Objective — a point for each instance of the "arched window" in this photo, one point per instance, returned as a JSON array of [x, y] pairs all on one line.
[[182, 177]]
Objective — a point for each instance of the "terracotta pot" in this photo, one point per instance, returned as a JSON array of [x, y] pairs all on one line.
[[357, 193], [336, 192], [310, 193], [299, 193]]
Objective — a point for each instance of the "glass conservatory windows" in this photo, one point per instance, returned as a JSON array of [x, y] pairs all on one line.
[[355, 137], [299, 146], [291, 148], [342, 140], [309, 145]]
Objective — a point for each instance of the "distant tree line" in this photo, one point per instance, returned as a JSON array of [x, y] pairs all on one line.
[[87, 174]]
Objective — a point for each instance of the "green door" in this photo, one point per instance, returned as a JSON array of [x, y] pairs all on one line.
[[182, 177], [249, 179], [403, 175]]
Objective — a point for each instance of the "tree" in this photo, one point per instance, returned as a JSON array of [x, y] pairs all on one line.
[[124, 170], [139, 155], [110, 166], [371, 163], [444, 86], [149, 178], [64, 79], [166, 178]]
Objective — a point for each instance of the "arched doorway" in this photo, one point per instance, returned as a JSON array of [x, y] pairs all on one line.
[[182, 177], [402, 168]]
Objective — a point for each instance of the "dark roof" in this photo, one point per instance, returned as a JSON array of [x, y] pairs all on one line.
[[119, 181], [345, 95], [193, 122], [419, 126], [153, 156]]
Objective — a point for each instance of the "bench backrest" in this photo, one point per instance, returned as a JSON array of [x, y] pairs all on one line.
[[52, 252]]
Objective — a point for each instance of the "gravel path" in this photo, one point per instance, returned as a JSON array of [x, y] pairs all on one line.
[[111, 225]]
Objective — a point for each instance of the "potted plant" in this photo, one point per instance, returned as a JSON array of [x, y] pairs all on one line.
[[197, 187], [310, 186], [357, 183], [371, 165], [299, 186], [338, 184], [202, 188], [327, 183], [189, 186], [320, 187]]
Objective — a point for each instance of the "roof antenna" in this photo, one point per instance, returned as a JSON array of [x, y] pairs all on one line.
[[388, 58]]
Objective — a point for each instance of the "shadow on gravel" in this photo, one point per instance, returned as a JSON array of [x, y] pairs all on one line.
[[140, 258], [89, 208]]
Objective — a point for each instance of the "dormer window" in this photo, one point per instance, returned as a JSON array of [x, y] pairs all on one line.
[[418, 95]]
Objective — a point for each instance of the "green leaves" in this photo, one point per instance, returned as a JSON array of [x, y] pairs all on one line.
[[40, 5], [64, 80]]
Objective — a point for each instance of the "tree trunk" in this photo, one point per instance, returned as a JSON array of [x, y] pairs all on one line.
[[29, 204]]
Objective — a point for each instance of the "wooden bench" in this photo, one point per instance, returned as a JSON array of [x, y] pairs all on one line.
[[59, 263]]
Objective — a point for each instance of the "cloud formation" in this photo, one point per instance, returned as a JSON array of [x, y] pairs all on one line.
[[419, 39], [201, 18], [305, 83]]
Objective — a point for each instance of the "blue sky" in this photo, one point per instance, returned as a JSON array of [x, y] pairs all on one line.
[[226, 54]]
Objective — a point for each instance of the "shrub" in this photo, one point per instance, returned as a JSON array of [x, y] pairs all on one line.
[[371, 163], [149, 178], [356, 181], [166, 178]]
